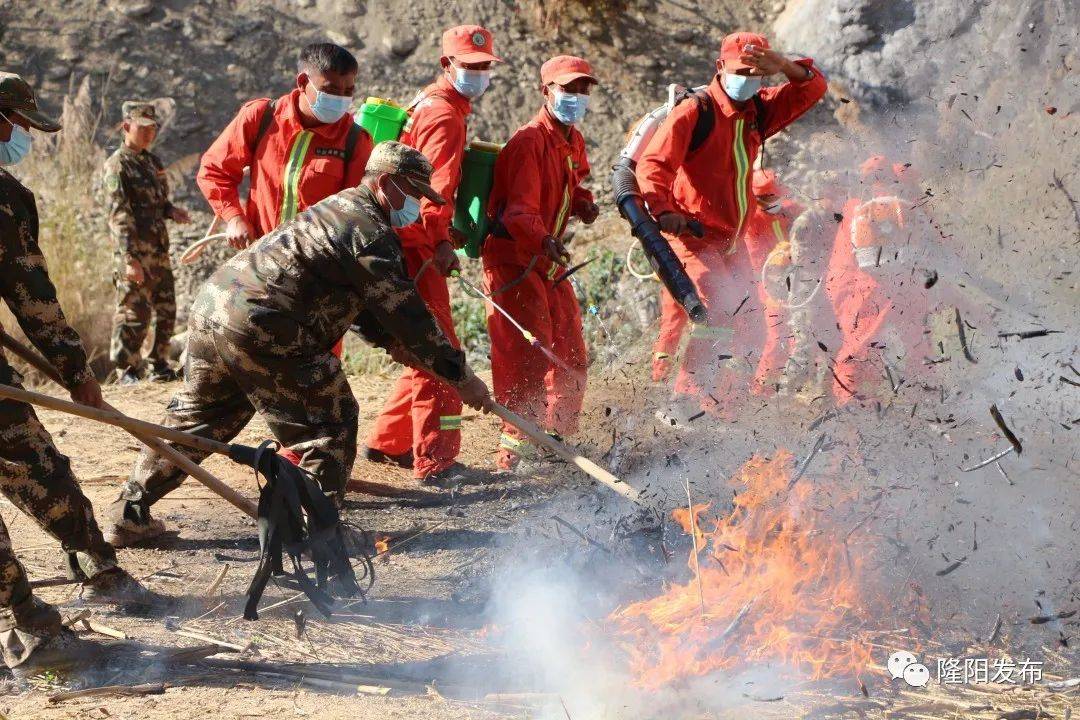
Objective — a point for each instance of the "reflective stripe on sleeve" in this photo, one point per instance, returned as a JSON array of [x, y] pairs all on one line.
[[449, 422]]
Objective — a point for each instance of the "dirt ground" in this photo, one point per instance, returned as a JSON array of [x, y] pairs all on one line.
[[431, 630], [410, 617]]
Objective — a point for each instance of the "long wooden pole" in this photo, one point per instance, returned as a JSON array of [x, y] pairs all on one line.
[[566, 452], [143, 432]]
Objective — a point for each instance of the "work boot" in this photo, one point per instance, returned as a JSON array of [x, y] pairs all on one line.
[[132, 523], [58, 655], [450, 477], [127, 377], [161, 372], [126, 533], [118, 587], [404, 460]]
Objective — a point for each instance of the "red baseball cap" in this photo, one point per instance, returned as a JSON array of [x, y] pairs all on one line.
[[733, 46], [565, 69], [469, 44]]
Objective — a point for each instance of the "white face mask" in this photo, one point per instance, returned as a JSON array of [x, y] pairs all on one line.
[[330, 108], [17, 147], [569, 108], [470, 83], [409, 212]]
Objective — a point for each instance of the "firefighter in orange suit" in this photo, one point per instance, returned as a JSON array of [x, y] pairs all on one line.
[[877, 296], [711, 183], [420, 423], [537, 190]]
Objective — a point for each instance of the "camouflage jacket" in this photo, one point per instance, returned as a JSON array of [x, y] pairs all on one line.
[[27, 289], [299, 289], [137, 201]]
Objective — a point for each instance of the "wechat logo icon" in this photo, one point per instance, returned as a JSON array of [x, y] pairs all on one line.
[[903, 664]]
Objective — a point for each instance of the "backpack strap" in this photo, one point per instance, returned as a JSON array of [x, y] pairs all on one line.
[[706, 117], [264, 124], [350, 142]]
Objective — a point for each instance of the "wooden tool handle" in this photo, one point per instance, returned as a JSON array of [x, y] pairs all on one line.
[[148, 433], [29, 356], [567, 453]]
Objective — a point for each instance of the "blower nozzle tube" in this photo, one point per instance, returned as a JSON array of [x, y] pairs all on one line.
[[642, 226]]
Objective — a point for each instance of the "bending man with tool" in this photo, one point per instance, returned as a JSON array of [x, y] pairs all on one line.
[[299, 149], [34, 475], [138, 205], [420, 424], [537, 190], [697, 167], [263, 327]]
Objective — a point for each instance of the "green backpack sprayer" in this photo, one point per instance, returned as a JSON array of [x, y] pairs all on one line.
[[385, 120]]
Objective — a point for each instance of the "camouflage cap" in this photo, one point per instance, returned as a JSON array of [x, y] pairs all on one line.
[[139, 112], [17, 97], [394, 158]]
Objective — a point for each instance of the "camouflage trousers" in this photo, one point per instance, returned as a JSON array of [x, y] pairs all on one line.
[[37, 479], [306, 401], [136, 304]]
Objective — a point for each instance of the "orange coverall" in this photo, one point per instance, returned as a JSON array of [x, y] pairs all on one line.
[[422, 412], [869, 267], [537, 189], [712, 185], [292, 168]]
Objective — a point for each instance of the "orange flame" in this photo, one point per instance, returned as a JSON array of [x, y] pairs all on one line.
[[776, 584], [382, 544]]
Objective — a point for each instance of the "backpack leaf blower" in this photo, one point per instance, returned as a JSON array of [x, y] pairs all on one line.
[[643, 226]]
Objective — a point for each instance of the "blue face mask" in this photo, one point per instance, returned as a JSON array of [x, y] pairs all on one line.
[[17, 146], [408, 214], [471, 83], [569, 108], [741, 87], [330, 108]]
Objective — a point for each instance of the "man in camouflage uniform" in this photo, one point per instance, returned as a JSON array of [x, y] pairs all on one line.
[[263, 326], [33, 474], [138, 204]]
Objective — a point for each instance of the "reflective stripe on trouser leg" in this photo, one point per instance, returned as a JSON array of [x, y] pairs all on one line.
[[449, 422], [719, 335]]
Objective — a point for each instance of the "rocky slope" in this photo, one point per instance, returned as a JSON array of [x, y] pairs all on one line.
[[213, 55]]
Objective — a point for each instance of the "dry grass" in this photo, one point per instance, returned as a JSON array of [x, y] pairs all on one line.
[[62, 170]]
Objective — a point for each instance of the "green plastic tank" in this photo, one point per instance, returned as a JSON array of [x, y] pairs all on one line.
[[382, 119], [477, 177]]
